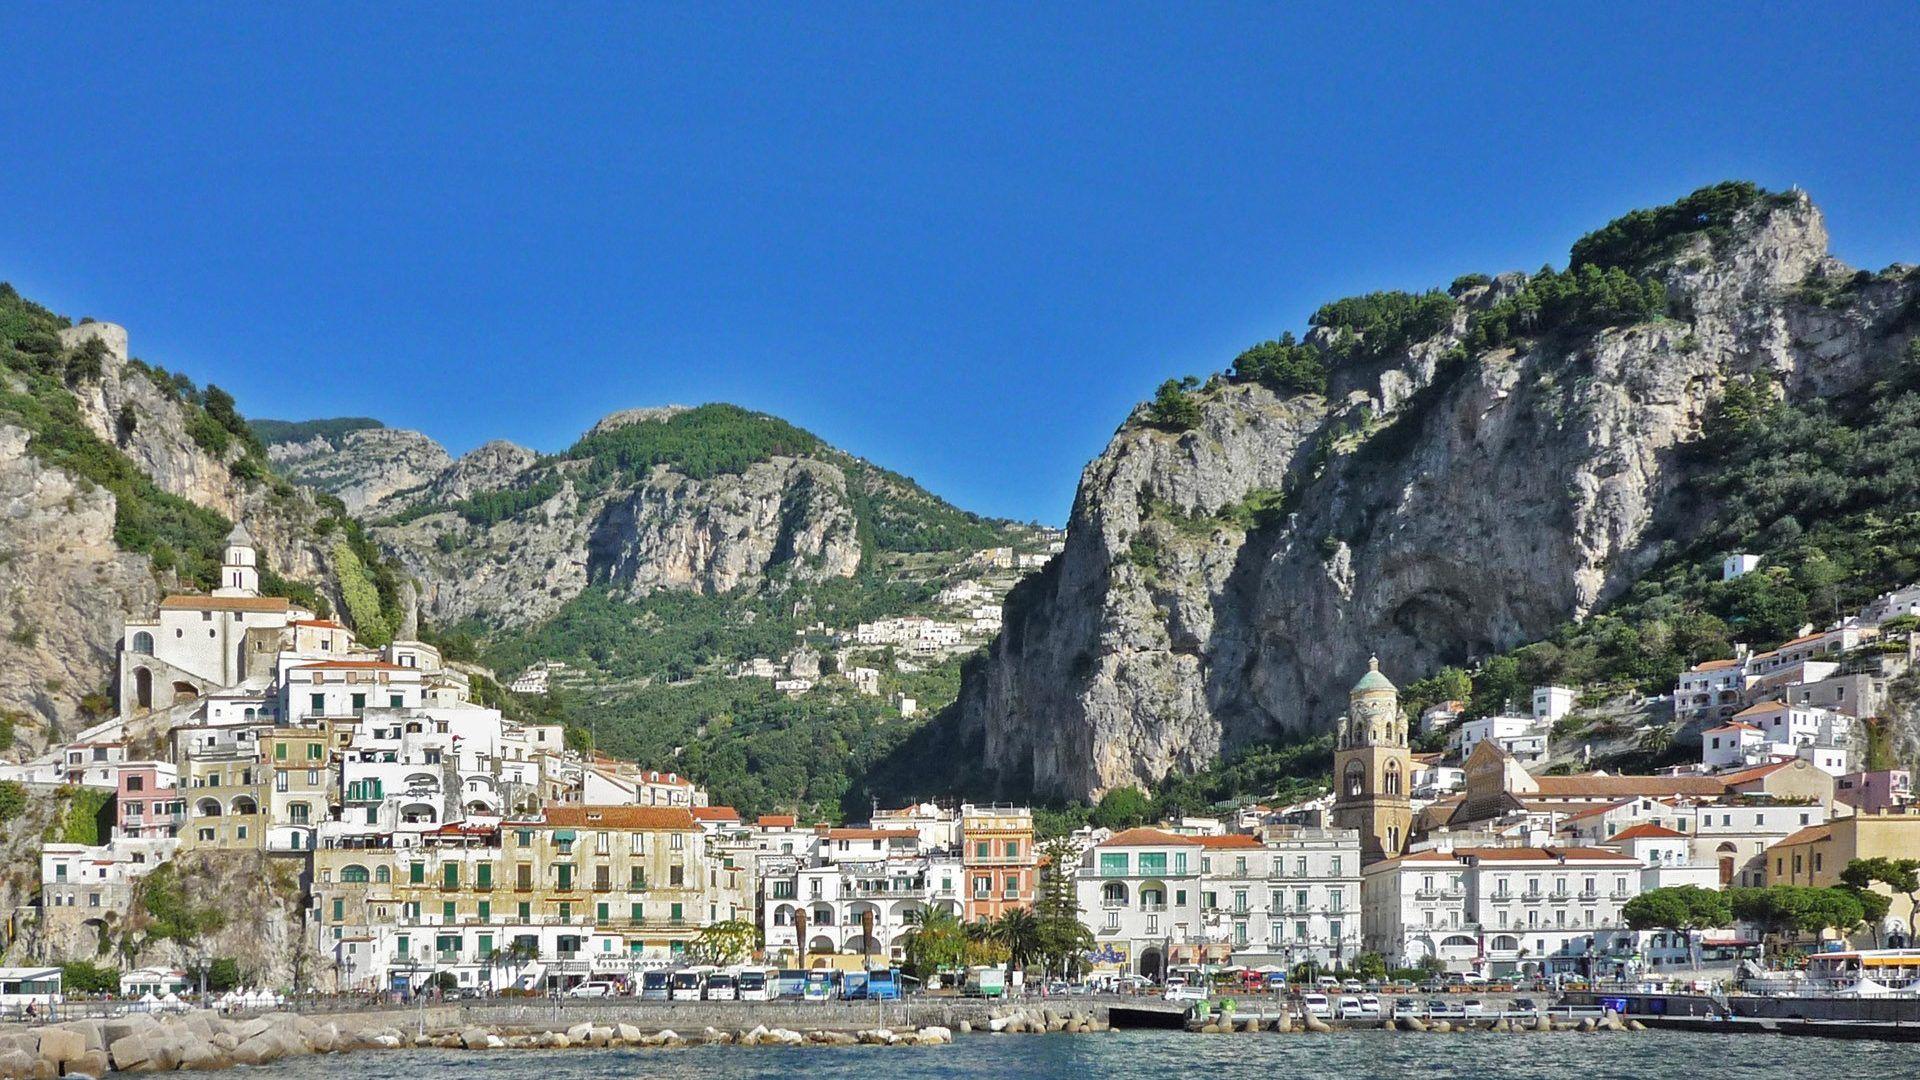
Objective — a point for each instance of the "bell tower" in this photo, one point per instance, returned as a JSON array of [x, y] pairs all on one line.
[[1372, 767], [239, 567]]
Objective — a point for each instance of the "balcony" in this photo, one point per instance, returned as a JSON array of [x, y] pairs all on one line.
[[1501, 898], [1620, 894], [603, 886], [1152, 907], [1440, 894], [1589, 895]]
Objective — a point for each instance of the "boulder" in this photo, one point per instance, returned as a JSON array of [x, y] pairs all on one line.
[[1635, 1025], [1440, 1026], [1413, 1023], [1314, 1023], [16, 1064], [475, 1038], [627, 1032]]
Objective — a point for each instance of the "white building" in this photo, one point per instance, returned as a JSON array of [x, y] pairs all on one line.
[[1892, 605], [1550, 703], [1502, 910], [1712, 690], [1140, 890], [1523, 737], [1737, 565]]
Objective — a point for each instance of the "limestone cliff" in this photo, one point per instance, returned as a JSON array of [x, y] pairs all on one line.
[[665, 531], [1224, 585], [361, 467]]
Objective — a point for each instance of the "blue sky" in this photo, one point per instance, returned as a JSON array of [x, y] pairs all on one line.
[[961, 240]]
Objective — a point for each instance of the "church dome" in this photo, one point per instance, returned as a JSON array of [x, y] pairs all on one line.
[[1373, 680]]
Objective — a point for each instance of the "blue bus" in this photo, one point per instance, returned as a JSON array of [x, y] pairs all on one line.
[[853, 986], [883, 984]]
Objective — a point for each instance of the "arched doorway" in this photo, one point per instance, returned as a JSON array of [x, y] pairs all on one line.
[[1152, 965], [143, 688], [1726, 851]]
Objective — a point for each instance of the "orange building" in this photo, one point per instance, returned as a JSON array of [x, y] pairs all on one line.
[[998, 857]]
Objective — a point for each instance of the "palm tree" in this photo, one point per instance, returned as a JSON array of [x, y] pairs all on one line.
[[1019, 933]]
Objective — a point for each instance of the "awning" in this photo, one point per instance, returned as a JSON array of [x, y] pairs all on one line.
[[563, 836]]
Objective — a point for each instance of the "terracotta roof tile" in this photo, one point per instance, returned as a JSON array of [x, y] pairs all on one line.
[[1590, 784], [1807, 835], [620, 817], [1230, 840], [225, 603], [1647, 830], [1144, 837]]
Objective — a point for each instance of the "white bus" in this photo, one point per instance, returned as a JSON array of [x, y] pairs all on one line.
[[756, 984]]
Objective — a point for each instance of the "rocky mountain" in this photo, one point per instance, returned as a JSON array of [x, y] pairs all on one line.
[[670, 546], [360, 467], [708, 500], [1430, 478], [118, 482]]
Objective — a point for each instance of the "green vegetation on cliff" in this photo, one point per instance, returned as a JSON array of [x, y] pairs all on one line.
[[699, 442], [274, 432]]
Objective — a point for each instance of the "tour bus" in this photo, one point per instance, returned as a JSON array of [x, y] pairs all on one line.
[[819, 985], [853, 986], [688, 983], [756, 984], [723, 986], [790, 983], [883, 984], [656, 986]]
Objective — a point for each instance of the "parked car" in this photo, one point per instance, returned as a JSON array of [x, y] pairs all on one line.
[[1525, 1005], [1405, 1007], [591, 990], [1438, 1007], [1315, 1005], [1349, 1007], [1472, 1007], [1370, 1005], [1352, 986]]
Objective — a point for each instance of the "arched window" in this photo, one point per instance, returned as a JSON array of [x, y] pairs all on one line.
[[354, 874], [1457, 941], [382, 875], [143, 643], [1114, 892], [1356, 782], [1392, 779]]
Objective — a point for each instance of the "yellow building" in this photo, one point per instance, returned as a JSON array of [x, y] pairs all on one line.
[[299, 781], [1817, 856], [580, 891], [223, 785]]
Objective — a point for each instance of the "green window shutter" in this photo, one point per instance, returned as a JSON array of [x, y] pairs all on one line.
[[486, 911], [638, 907], [486, 873], [279, 751], [600, 914], [450, 875], [486, 945], [566, 911], [676, 914], [526, 911], [339, 909], [417, 874], [447, 911], [1113, 864]]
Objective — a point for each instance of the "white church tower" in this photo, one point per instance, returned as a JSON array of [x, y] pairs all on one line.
[[239, 568]]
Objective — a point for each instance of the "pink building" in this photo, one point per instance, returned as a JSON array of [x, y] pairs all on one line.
[[1877, 791], [148, 800]]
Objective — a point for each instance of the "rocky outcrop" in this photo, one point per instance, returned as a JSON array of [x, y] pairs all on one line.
[[668, 531], [362, 467], [64, 591], [1224, 585]]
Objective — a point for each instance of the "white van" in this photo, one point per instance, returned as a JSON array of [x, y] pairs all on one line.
[[1315, 1005]]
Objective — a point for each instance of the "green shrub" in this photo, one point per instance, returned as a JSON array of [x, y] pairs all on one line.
[[1173, 408]]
